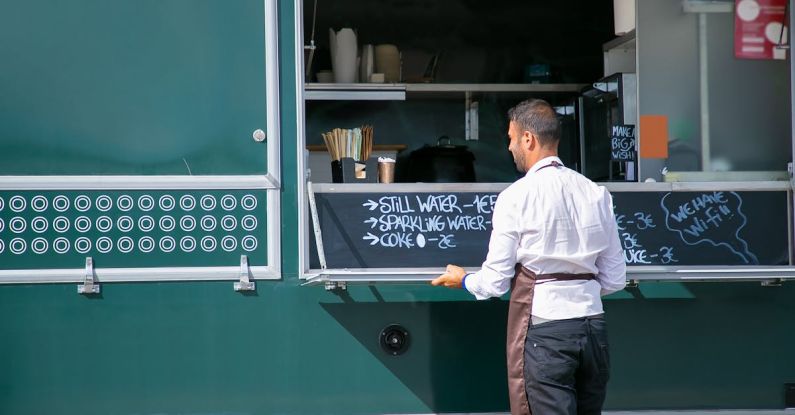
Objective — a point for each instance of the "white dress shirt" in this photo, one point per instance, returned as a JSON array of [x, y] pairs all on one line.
[[554, 220]]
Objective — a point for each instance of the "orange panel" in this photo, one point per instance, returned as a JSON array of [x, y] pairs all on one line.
[[653, 136]]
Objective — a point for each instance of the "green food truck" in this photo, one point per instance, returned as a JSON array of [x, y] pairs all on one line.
[[235, 207]]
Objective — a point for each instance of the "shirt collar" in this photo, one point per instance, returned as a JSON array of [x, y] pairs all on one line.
[[543, 163]]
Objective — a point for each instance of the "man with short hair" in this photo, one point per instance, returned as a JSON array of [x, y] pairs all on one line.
[[555, 245]]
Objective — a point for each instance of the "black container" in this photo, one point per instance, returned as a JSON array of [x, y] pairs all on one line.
[[442, 163], [344, 171]]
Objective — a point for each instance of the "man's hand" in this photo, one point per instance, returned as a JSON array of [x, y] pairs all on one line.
[[451, 278]]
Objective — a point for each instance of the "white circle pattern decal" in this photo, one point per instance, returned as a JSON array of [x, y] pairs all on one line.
[[110, 223], [228, 202], [82, 245], [17, 224], [249, 202], [166, 203], [39, 245], [104, 224], [17, 204], [228, 223], [60, 203], [124, 223], [146, 223], [18, 246], [104, 244], [249, 222], [146, 203], [187, 243], [187, 203], [82, 203], [229, 243], [208, 223], [167, 223], [83, 224], [167, 244], [146, 244], [209, 243], [125, 203], [61, 224], [103, 203], [208, 202], [39, 224], [249, 243], [60, 245], [187, 223], [39, 203], [125, 244]]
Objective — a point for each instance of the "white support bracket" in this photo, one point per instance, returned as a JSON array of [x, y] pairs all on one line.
[[245, 284], [336, 285], [316, 225], [471, 117], [90, 284]]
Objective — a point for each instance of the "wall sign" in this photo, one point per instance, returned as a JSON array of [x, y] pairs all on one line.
[[760, 28], [622, 143]]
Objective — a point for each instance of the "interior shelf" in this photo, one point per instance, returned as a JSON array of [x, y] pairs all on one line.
[[400, 91]]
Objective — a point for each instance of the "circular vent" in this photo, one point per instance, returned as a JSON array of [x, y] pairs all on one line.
[[394, 339]]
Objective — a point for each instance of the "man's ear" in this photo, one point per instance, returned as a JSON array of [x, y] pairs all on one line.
[[531, 141], [527, 140]]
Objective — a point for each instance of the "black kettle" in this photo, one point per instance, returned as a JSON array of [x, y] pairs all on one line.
[[442, 163]]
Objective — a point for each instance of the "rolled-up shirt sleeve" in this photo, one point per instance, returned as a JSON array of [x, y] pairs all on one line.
[[494, 277], [612, 274]]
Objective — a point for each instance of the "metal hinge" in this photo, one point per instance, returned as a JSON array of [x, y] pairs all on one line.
[[245, 284], [90, 285], [336, 285]]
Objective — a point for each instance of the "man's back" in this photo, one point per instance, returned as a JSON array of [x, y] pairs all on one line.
[[565, 224]]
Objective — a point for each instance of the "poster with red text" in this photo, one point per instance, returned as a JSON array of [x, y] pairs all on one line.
[[760, 29]]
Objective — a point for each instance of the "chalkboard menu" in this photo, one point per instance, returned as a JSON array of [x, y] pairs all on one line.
[[703, 228], [410, 230]]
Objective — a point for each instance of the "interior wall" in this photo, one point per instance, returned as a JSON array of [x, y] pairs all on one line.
[[478, 41], [667, 47], [748, 99], [749, 104]]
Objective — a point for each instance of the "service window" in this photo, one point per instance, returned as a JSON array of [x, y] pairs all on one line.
[[693, 141]]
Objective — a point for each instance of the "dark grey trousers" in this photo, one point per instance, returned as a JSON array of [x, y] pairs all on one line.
[[566, 367]]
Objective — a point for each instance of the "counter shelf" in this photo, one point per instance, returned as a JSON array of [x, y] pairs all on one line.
[[402, 91]]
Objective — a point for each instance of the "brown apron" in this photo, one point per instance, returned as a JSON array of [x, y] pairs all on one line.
[[519, 309]]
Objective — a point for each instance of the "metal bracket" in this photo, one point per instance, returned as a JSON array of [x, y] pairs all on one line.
[[90, 285], [632, 284], [773, 283], [336, 285], [245, 284], [316, 225], [471, 117]]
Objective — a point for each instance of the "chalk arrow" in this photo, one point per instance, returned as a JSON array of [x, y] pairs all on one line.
[[370, 237], [370, 204], [372, 222]]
